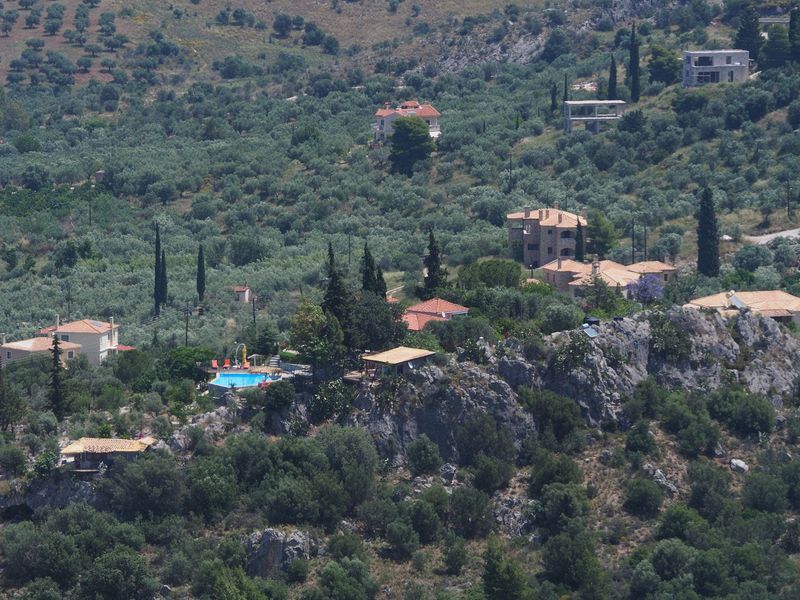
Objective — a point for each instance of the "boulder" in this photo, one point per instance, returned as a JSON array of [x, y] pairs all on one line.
[[271, 549], [739, 466], [448, 473]]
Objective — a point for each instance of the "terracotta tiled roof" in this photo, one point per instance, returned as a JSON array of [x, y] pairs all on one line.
[[646, 267], [437, 306], [549, 217], [771, 303], [240, 288], [417, 321], [568, 265], [124, 348], [614, 277], [107, 445], [39, 344], [86, 326], [410, 108]]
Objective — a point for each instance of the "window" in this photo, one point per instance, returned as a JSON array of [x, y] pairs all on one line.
[[109, 338], [549, 232], [708, 77], [730, 76], [550, 250], [8, 355], [64, 338], [70, 355], [567, 235], [533, 246], [728, 60], [704, 61]]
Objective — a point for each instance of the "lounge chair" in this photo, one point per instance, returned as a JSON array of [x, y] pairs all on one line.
[[226, 364], [214, 364], [246, 364]]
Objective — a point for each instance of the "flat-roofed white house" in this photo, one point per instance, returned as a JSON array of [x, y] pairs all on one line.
[[41, 346], [701, 67], [386, 116], [98, 339]]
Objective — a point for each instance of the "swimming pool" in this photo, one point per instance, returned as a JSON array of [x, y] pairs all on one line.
[[225, 381]]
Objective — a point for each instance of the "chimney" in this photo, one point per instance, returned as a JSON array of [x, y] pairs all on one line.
[[4, 339], [557, 205], [387, 105], [560, 216], [527, 210], [595, 265], [541, 214], [559, 263], [547, 212], [112, 323]]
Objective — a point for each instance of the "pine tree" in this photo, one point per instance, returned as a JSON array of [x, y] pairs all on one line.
[[612, 79], [633, 65], [157, 276], [794, 33], [553, 97], [748, 36], [436, 275], [566, 89], [707, 236], [201, 273], [56, 396], [163, 283], [367, 270], [502, 577], [579, 243]]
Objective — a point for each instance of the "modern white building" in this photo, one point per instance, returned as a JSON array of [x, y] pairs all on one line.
[[701, 67], [592, 113]]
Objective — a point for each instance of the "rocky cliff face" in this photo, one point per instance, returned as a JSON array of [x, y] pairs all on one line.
[[754, 352], [435, 401]]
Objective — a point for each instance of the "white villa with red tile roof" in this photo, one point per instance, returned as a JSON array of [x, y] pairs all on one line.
[[97, 339], [571, 276], [410, 108], [435, 309], [242, 293], [41, 346]]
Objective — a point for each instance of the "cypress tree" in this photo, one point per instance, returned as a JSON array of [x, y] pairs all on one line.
[[157, 276], [612, 79], [579, 243], [794, 33], [748, 36], [380, 282], [435, 276], [163, 284], [707, 236], [201, 273], [553, 97], [566, 89], [633, 65], [55, 394], [367, 271], [337, 300]]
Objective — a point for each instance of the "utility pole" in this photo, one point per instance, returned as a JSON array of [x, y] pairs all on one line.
[[186, 329], [349, 247], [633, 241], [645, 243], [254, 309], [69, 300], [788, 200]]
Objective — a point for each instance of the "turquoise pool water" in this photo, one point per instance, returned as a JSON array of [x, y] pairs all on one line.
[[240, 380]]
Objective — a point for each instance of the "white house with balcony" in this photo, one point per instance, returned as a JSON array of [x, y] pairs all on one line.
[[97, 339], [385, 117], [701, 67]]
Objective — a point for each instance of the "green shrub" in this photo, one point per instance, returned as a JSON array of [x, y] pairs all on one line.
[[553, 468], [745, 413], [640, 440], [668, 341], [279, 396], [643, 498], [423, 456], [558, 419], [469, 512], [766, 492], [425, 521], [455, 555], [402, 539], [492, 473], [12, 459], [297, 570]]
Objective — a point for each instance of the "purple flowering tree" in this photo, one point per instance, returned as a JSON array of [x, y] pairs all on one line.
[[647, 290]]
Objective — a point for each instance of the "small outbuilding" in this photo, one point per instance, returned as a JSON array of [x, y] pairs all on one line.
[[397, 361], [87, 454]]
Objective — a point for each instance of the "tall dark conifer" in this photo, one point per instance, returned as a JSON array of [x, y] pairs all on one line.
[[338, 300], [633, 65], [201, 273], [380, 282], [553, 97], [612, 79], [56, 396], [157, 276], [707, 236], [436, 275], [748, 36], [566, 89], [367, 270], [163, 285], [794, 33]]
